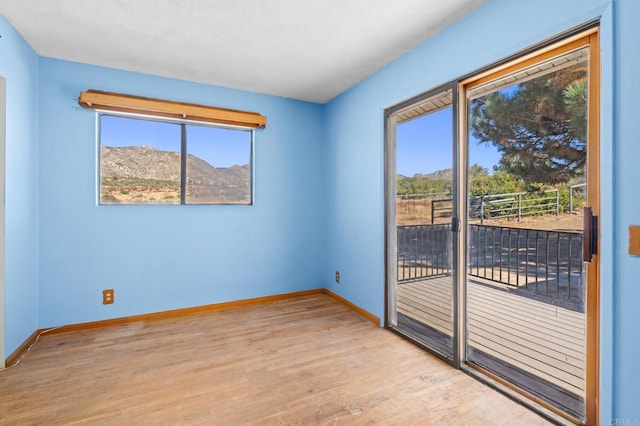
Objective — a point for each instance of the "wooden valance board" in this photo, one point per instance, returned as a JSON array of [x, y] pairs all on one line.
[[117, 102]]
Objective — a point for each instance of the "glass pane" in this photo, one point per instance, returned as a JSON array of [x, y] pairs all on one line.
[[139, 161], [218, 166], [526, 293], [424, 167]]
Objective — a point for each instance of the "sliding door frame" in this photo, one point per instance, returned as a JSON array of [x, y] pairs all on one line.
[[391, 238], [586, 35], [587, 38]]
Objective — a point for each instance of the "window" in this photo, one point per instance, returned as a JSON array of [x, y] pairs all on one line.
[[149, 161], [156, 151]]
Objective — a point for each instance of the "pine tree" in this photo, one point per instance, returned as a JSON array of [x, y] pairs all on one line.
[[539, 127]]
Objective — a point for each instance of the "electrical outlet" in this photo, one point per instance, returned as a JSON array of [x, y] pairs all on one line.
[[107, 296], [338, 277]]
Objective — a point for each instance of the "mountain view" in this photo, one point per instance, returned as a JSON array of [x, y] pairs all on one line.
[[446, 174], [146, 175], [438, 182]]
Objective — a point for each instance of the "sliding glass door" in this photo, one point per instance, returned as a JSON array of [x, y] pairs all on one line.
[[527, 180], [423, 194], [492, 198]]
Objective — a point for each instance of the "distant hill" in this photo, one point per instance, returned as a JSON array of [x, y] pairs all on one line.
[[145, 174], [445, 174]]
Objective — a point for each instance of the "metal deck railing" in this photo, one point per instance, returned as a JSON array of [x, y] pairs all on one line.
[[547, 263]]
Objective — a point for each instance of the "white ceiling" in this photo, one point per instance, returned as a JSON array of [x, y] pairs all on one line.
[[303, 49]]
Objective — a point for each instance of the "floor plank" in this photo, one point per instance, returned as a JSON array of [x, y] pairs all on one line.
[[308, 360]]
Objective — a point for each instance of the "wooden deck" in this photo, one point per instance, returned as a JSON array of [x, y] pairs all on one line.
[[538, 339]]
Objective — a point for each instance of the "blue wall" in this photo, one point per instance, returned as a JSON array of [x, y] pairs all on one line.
[[166, 257], [355, 142], [626, 285], [19, 66]]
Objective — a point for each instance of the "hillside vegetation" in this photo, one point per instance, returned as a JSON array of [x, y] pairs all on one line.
[[146, 175]]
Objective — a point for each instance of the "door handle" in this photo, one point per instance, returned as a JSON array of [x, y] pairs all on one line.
[[589, 235], [455, 224]]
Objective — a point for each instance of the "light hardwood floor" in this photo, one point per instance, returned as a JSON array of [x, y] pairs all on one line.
[[307, 360]]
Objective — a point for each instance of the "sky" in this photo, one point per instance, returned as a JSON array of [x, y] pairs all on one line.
[[424, 145], [217, 146]]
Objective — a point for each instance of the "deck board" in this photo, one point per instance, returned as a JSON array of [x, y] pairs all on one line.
[[540, 310], [531, 328], [548, 346], [541, 339]]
